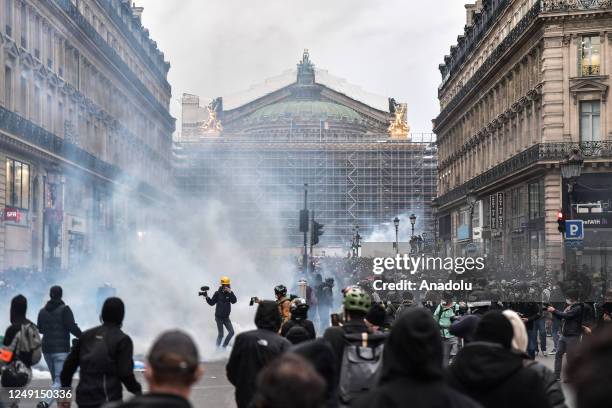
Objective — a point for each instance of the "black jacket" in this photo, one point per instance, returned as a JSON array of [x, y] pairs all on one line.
[[152, 401], [412, 368], [104, 355], [571, 325], [335, 338], [223, 301], [305, 323], [55, 323], [496, 377], [251, 352], [552, 387], [532, 311]]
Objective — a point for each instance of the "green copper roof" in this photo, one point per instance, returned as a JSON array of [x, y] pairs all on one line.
[[317, 110]]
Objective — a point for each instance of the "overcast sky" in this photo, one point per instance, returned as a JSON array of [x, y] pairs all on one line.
[[388, 47]]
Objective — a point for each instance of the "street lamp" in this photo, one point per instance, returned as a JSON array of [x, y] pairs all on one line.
[[571, 168], [471, 199], [412, 222], [396, 222]]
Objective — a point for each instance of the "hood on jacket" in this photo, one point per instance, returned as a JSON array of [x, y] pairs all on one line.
[[414, 348], [520, 340], [53, 304], [56, 292], [494, 327], [267, 316], [480, 365], [113, 311], [19, 307], [320, 354]]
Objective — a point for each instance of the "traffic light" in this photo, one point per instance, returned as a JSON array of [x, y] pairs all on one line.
[[317, 231], [304, 220], [561, 221]]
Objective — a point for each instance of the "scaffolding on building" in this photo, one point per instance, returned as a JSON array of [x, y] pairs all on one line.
[[365, 182]]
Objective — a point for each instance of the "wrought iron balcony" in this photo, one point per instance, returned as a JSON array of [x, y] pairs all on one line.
[[573, 5], [543, 152], [49, 142], [590, 70]]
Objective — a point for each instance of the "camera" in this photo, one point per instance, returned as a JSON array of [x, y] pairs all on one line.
[[203, 291], [253, 300]]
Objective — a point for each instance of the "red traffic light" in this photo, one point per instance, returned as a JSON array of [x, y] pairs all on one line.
[[560, 215]]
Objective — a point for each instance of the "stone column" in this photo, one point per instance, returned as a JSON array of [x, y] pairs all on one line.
[[553, 84]]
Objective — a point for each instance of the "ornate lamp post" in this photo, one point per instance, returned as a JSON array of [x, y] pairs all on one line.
[[396, 222], [412, 222], [471, 199]]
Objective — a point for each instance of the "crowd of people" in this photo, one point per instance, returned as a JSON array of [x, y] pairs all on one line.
[[379, 349]]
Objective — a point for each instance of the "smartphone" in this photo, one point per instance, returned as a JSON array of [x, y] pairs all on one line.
[[335, 319]]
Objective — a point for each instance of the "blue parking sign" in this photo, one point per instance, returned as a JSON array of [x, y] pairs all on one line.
[[574, 229]]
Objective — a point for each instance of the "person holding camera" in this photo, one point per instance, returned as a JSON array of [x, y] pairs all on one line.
[[223, 299]]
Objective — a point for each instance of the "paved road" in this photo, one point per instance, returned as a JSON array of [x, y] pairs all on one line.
[[215, 391]]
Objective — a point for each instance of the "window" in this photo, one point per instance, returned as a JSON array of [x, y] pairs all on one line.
[[8, 12], [49, 113], [36, 113], [589, 121], [37, 37], [23, 96], [8, 87], [590, 56], [24, 26], [536, 200], [17, 184]]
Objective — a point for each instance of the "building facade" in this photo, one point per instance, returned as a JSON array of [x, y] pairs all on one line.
[[84, 110], [525, 85], [254, 151]]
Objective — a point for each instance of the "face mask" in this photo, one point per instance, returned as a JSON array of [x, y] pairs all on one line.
[[569, 302]]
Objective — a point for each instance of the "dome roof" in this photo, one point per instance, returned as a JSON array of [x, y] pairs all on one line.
[[305, 110]]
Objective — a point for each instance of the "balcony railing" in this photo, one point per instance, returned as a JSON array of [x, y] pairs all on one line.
[[573, 5], [590, 70], [47, 141], [553, 151]]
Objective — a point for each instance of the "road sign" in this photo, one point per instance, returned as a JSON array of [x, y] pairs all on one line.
[[574, 229], [576, 244]]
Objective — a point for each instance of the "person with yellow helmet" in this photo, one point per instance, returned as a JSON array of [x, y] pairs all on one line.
[[223, 299]]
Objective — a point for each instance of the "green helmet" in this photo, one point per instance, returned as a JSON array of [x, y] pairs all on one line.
[[357, 301]]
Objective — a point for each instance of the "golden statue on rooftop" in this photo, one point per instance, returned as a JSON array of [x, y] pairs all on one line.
[[213, 124], [399, 128]]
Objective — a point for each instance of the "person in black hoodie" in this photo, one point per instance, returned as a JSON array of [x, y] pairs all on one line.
[[56, 323], [320, 355], [105, 357], [412, 373], [491, 373], [173, 367], [253, 350], [223, 299], [19, 307], [299, 318]]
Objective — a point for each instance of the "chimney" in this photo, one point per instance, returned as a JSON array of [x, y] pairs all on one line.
[[137, 11], [470, 9]]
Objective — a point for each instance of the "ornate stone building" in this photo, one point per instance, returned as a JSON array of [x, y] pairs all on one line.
[[84, 102], [525, 85], [255, 150]]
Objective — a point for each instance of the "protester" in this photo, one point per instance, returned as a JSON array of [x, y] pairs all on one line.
[[253, 350], [320, 355], [21, 348], [289, 381], [571, 328], [283, 303], [375, 318], [299, 318], [444, 315], [520, 343], [488, 371], [223, 298], [557, 300], [590, 370], [412, 373], [529, 312], [56, 323], [173, 367], [104, 355], [465, 327]]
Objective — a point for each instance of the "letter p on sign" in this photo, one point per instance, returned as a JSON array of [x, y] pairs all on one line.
[[574, 229]]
